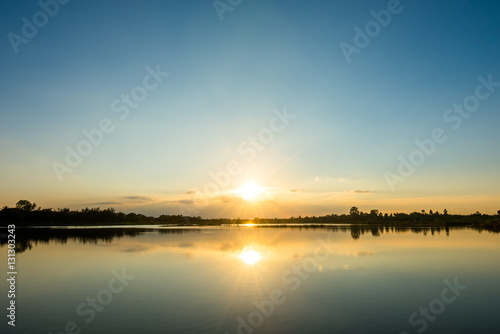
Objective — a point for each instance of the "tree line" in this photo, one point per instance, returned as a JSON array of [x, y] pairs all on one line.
[[29, 214]]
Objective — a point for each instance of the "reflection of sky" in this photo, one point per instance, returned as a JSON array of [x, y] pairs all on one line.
[[225, 245], [194, 282]]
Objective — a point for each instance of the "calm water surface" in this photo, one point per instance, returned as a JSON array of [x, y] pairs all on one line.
[[255, 280]]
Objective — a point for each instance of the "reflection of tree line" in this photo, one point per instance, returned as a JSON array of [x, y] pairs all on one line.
[[375, 230], [26, 238]]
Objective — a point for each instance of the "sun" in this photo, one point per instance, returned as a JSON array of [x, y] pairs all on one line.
[[250, 191]]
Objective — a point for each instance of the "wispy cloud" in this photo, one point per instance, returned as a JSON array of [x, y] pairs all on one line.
[[126, 200], [359, 191], [139, 198], [106, 203], [230, 199]]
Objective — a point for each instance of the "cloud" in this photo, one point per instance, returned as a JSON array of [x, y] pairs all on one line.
[[293, 190], [139, 198], [106, 203], [230, 199], [126, 200], [190, 192], [358, 191]]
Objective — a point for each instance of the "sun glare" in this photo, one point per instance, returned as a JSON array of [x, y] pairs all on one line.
[[250, 191], [250, 256]]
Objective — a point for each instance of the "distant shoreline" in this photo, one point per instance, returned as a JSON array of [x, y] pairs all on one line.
[[28, 215]]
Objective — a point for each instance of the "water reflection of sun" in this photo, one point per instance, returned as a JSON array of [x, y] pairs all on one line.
[[248, 276], [249, 256]]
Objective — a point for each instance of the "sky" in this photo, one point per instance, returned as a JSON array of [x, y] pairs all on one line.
[[252, 108]]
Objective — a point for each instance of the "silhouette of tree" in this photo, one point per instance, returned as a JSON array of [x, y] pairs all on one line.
[[354, 211], [25, 205]]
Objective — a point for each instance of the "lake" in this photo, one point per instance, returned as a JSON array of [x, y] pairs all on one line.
[[250, 279]]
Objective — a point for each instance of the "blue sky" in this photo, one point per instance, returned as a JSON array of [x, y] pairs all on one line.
[[353, 120]]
